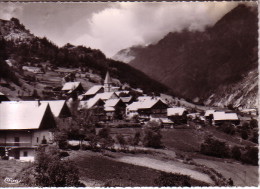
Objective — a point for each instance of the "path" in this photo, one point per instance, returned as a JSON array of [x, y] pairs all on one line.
[[166, 166]]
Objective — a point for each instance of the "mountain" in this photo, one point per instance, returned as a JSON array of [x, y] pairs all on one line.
[[23, 48], [197, 65]]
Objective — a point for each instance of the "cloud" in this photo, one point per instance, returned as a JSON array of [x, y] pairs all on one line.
[[113, 26], [9, 10], [129, 23]]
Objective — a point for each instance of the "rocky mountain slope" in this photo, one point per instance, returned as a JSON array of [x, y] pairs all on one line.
[[197, 65], [23, 48]]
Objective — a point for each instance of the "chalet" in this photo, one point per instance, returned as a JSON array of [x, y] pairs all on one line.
[[24, 127], [177, 114], [3, 97], [115, 109], [93, 91], [72, 87], [223, 117], [96, 106], [147, 109]]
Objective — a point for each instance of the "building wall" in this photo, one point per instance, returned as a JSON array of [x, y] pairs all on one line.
[[25, 137], [27, 154], [39, 135]]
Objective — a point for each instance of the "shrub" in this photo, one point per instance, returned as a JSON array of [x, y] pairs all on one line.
[[152, 139], [253, 123], [121, 140], [244, 134], [61, 139], [169, 179], [50, 171], [255, 137], [214, 147], [236, 153], [250, 155], [227, 128]]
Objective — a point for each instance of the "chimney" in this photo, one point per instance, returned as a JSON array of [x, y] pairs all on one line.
[[39, 102]]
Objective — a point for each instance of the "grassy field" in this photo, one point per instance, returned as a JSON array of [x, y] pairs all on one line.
[[10, 169], [107, 171], [242, 175]]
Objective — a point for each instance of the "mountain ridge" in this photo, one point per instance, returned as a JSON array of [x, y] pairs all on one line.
[[196, 64]]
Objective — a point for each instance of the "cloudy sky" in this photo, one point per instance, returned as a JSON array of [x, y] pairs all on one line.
[[113, 26]]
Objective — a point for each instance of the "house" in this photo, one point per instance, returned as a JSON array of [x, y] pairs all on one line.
[[115, 109], [223, 117], [73, 88], [3, 97], [59, 108], [96, 106], [147, 109], [178, 115], [24, 127], [93, 91]]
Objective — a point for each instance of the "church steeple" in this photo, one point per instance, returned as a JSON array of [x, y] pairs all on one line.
[[107, 83]]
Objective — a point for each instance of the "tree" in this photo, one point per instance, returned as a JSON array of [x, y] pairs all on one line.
[[121, 140], [152, 135], [253, 123], [51, 171], [137, 138], [250, 155], [104, 138], [244, 134], [236, 153], [214, 147]]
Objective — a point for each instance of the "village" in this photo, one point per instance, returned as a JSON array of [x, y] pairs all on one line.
[[124, 112]]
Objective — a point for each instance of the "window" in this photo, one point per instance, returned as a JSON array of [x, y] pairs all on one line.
[[37, 140], [25, 153], [44, 141]]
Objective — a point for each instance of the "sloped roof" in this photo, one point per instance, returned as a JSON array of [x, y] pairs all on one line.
[[93, 90], [16, 115], [126, 99], [119, 92], [70, 86], [175, 111], [105, 95], [217, 116], [109, 109], [142, 104], [88, 103], [208, 112], [111, 102], [56, 106], [108, 79]]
